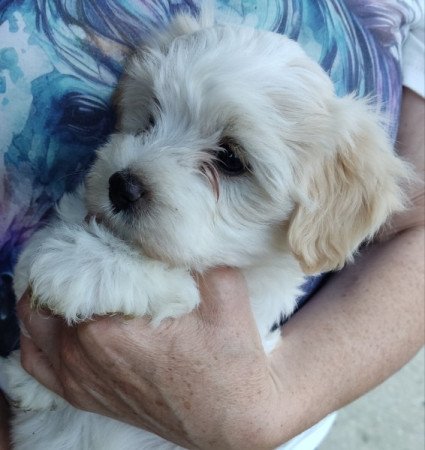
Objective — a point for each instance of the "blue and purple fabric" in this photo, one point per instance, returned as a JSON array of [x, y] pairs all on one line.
[[60, 60]]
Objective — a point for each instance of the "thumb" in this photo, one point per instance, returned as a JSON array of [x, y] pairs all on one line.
[[224, 298]]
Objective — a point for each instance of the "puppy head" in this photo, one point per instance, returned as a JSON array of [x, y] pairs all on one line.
[[232, 146]]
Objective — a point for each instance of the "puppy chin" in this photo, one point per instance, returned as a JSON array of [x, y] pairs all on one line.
[[150, 242], [161, 246]]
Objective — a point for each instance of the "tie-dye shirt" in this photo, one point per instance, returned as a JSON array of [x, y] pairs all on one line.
[[60, 60]]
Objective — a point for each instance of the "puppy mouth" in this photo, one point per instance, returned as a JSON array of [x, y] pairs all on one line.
[[116, 222]]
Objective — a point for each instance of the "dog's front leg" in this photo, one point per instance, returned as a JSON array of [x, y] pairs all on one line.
[[83, 270]]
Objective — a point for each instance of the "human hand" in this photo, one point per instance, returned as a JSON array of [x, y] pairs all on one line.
[[201, 381]]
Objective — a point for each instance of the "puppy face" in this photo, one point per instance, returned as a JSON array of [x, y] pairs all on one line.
[[225, 135]]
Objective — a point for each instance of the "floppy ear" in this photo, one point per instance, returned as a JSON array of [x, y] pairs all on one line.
[[348, 193]]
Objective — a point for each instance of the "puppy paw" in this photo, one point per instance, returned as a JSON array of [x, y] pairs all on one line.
[[23, 391], [84, 270]]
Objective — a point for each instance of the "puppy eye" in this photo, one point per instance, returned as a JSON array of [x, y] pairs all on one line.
[[227, 160], [150, 123]]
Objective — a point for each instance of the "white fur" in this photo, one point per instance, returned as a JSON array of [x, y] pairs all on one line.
[[322, 178]]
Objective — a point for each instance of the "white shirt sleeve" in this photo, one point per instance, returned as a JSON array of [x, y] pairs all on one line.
[[413, 54]]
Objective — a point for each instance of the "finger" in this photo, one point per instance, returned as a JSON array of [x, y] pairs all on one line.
[[38, 365], [42, 328]]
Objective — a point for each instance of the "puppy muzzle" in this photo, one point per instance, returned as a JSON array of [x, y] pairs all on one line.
[[126, 191]]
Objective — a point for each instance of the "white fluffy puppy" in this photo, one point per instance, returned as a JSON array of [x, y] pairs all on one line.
[[233, 150]]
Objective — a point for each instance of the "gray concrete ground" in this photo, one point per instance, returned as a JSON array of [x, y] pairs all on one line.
[[391, 417]]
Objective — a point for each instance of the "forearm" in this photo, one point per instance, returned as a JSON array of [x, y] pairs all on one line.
[[354, 333]]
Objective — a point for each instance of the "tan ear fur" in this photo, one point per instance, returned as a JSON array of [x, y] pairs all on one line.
[[351, 191]]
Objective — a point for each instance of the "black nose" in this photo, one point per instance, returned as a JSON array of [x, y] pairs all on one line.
[[125, 189]]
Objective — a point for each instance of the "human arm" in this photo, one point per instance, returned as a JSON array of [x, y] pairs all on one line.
[[224, 391]]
